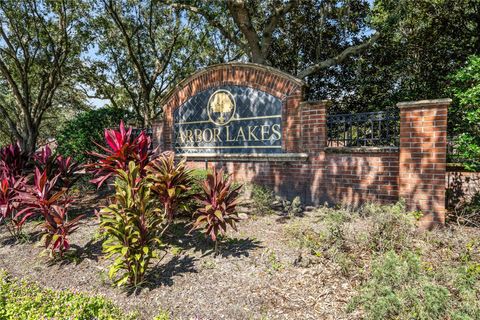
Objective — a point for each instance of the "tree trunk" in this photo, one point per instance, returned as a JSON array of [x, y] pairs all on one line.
[[28, 143]]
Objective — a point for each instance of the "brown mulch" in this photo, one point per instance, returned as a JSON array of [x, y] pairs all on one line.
[[255, 275]]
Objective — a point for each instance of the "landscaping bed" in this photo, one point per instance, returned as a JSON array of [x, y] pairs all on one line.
[[253, 276], [273, 268]]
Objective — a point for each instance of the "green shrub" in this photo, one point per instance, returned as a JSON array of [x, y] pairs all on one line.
[[76, 137], [262, 198], [392, 228], [330, 239], [132, 226], [400, 287], [24, 300], [464, 115]]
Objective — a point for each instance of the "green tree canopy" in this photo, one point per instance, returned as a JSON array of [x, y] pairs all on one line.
[[40, 45]]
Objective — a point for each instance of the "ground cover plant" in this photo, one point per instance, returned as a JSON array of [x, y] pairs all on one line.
[[20, 299]]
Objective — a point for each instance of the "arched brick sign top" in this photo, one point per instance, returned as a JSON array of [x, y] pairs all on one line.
[[268, 92]]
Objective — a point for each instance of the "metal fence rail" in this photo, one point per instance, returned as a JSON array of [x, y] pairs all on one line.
[[364, 129]]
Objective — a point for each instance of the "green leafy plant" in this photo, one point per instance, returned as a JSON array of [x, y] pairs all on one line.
[[465, 114], [262, 198], [400, 286], [400, 289], [132, 227], [20, 299], [392, 228], [218, 201], [170, 182], [75, 137]]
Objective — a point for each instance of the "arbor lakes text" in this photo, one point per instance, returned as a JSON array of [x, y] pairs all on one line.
[[266, 132]]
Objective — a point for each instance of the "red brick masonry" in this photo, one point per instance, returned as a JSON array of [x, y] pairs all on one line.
[[415, 171]]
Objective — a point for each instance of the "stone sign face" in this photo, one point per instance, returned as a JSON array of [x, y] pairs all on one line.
[[229, 119]]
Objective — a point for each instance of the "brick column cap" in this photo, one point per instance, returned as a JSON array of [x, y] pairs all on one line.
[[424, 103]]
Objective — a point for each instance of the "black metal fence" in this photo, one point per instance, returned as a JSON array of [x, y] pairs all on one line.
[[364, 129]]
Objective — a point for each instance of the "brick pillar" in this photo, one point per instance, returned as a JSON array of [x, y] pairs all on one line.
[[158, 135], [314, 122], [423, 153], [292, 126]]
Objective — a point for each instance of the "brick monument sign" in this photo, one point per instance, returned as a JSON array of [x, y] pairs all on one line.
[[252, 120]]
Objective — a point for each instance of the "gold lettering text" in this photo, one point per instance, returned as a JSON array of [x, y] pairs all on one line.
[[265, 130], [277, 134]]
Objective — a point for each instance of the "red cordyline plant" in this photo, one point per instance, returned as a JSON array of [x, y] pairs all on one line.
[[12, 161], [170, 181], [218, 201], [65, 167], [42, 199], [122, 147], [9, 206], [44, 157]]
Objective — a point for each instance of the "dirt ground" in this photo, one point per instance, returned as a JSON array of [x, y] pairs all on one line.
[[257, 274]]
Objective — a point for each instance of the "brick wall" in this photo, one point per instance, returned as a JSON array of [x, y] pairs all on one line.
[[415, 171], [461, 187]]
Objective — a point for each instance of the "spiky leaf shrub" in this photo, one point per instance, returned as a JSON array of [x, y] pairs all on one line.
[[65, 167], [218, 201], [43, 199], [12, 161], [132, 225], [9, 206], [170, 182], [44, 157], [122, 148]]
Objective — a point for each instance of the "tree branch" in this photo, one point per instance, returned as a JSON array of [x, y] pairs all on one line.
[[338, 58], [213, 22], [239, 12], [272, 23]]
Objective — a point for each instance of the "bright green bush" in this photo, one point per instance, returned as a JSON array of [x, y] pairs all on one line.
[[77, 135], [27, 301], [465, 113]]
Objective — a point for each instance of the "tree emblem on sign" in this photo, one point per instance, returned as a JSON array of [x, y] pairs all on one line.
[[221, 107]]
